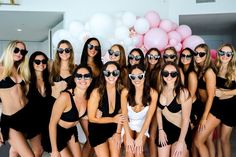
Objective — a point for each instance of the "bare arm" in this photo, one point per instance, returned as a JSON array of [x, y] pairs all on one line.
[[192, 84]]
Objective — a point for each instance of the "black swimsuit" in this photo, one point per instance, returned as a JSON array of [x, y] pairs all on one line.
[[69, 80]]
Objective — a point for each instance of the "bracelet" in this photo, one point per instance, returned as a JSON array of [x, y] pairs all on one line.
[[160, 129], [118, 132]]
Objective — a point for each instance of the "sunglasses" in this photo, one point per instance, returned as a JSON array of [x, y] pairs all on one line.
[[228, 54], [166, 56], [136, 76], [132, 57], [201, 54], [61, 50], [173, 74], [38, 62], [90, 46], [115, 53], [114, 73], [151, 56], [22, 51], [186, 56], [87, 76]]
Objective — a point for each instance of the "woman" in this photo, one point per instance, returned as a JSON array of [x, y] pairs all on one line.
[[153, 64], [170, 55], [62, 68], [138, 103], [223, 107], [117, 54], [16, 123], [206, 89], [40, 94], [135, 57], [173, 114], [68, 109], [104, 131]]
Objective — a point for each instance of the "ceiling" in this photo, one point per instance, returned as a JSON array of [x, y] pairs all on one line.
[[34, 25], [210, 24]]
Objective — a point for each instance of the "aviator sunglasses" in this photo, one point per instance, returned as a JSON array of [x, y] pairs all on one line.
[[115, 53], [114, 73], [201, 54], [61, 50], [136, 76], [38, 62], [166, 56], [84, 76], [151, 56], [22, 51], [223, 53], [173, 74], [132, 57], [90, 46]]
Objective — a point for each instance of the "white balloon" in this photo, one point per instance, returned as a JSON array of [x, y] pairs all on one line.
[[122, 32], [128, 19], [59, 35], [141, 25], [101, 25], [128, 42], [75, 27]]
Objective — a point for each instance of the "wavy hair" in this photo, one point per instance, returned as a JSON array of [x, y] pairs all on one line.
[[122, 60], [146, 98], [231, 68], [8, 62], [55, 72], [140, 52], [175, 52]]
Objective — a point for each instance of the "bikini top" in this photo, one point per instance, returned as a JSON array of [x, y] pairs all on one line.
[[8, 83], [173, 107], [68, 80], [201, 83], [72, 115], [221, 83]]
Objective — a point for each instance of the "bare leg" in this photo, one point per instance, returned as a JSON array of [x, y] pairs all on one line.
[[102, 150], [128, 154], [114, 150], [66, 152], [74, 147], [210, 145], [13, 152], [36, 146], [144, 141], [225, 140], [185, 152], [152, 138], [164, 151]]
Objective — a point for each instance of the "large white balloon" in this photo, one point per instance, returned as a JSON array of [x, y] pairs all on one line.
[[128, 19], [122, 32], [59, 35], [101, 25], [141, 25], [75, 27]]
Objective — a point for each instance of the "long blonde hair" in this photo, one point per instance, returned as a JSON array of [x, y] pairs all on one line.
[[231, 68], [8, 62]]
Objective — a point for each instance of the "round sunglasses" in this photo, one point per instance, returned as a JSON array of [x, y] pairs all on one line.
[[114, 73], [173, 74], [66, 50], [90, 46], [115, 53], [23, 52]]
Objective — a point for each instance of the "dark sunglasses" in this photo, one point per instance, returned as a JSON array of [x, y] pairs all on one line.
[[115, 53], [87, 76], [166, 56], [137, 76], [37, 61], [173, 74], [90, 46], [22, 51], [61, 50], [201, 54], [114, 73], [151, 56], [223, 53], [132, 57], [185, 56]]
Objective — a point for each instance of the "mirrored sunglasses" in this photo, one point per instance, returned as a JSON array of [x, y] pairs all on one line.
[[132, 57], [114, 73], [151, 56], [115, 53], [185, 56], [136, 76], [223, 53]]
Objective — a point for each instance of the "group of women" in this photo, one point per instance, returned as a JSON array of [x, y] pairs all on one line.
[[173, 101]]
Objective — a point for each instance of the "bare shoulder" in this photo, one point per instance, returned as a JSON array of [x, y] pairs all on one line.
[[153, 92], [1, 70], [95, 93], [184, 94], [124, 92]]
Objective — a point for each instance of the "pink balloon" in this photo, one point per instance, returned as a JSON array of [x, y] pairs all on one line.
[[213, 53], [192, 41], [178, 47], [153, 18], [173, 42], [140, 40], [174, 26], [174, 35], [157, 38], [166, 25], [185, 31]]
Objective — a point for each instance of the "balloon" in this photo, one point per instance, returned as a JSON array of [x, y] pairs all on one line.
[[101, 25], [185, 31], [128, 19], [75, 27], [140, 38], [166, 25], [192, 41], [174, 26], [59, 35], [173, 42], [213, 53], [178, 47], [174, 35], [156, 37], [153, 18], [122, 32], [141, 25]]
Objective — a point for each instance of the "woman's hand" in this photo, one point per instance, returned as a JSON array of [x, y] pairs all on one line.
[[130, 144], [179, 149], [162, 138], [202, 125], [117, 140], [138, 144], [98, 114], [120, 119], [1, 138], [55, 154]]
